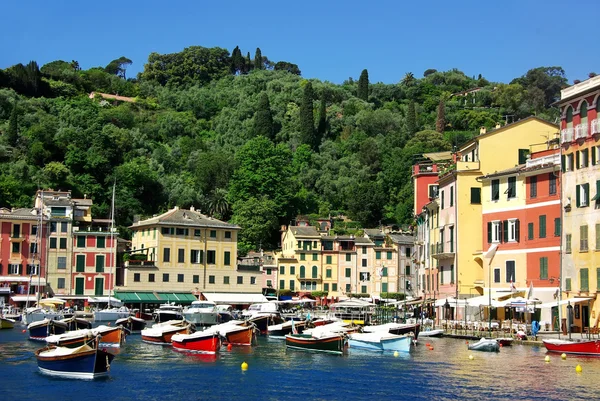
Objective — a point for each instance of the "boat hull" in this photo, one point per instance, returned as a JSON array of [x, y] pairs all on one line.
[[591, 348], [388, 342], [406, 329], [202, 318], [133, 324], [485, 345], [81, 365], [332, 344], [431, 333], [241, 336], [6, 323], [199, 342], [38, 331], [281, 330], [162, 336], [262, 322]]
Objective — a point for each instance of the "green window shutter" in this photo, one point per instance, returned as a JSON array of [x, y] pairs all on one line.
[[227, 258], [586, 190], [542, 226], [577, 160], [597, 237], [384, 287], [443, 199], [80, 241], [562, 163], [348, 272], [489, 231], [99, 263], [594, 156], [389, 255], [577, 203], [517, 230], [384, 272], [568, 284], [315, 272], [302, 272], [80, 263], [328, 273], [328, 260], [281, 284], [543, 268], [451, 196], [583, 277], [377, 254], [505, 230], [530, 230]]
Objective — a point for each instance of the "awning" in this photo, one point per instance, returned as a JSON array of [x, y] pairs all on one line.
[[24, 298], [564, 302], [23, 279], [483, 300], [227, 298], [453, 302], [177, 297], [137, 297], [113, 301]]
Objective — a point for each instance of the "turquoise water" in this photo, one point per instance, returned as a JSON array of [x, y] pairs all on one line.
[[150, 372]]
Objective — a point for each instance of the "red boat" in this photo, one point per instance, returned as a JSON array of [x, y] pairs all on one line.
[[235, 332], [161, 333], [585, 347], [208, 343]]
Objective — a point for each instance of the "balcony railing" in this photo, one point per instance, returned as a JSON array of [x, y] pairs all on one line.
[[140, 263], [595, 126], [581, 131], [567, 135], [248, 268], [318, 278]]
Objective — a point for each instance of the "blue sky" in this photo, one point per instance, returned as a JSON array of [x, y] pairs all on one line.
[[328, 39]]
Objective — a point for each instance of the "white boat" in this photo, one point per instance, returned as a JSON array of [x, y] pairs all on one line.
[[111, 314], [168, 312], [380, 341], [485, 344], [202, 313], [395, 328], [37, 314], [431, 333], [337, 327]]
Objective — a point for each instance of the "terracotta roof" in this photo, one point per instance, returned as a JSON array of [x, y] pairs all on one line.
[[183, 217], [512, 170], [83, 202]]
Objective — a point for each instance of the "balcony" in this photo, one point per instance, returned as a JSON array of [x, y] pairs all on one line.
[[595, 126], [581, 131], [319, 278], [566, 135], [249, 268], [467, 166], [438, 251], [140, 263], [425, 168]]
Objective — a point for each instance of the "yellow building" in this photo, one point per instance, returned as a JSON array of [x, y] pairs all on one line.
[[487, 153], [187, 252], [300, 263]]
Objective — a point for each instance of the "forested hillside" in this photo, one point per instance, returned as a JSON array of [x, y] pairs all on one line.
[[242, 138]]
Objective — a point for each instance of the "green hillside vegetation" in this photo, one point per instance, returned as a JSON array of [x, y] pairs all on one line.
[[244, 139]]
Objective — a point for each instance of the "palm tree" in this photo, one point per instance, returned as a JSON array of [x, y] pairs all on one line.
[[218, 204], [409, 79]]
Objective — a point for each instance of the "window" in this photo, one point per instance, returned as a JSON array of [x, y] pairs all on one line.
[[195, 278], [496, 275], [544, 268], [64, 227], [293, 270], [326, 287], [52, 243], [16, 247], [384, 272], [197, 232], [213, 233], [451, 196], [80, 241], [377, 254], [315, 256], [180, 278], [494, 231], [165, 230], [512, 187], [166, 254], [99, 263], [442, 202], [302, 256], [226, 280], [328, 273], [567, 243], [136, 277], [364, 263], [33, 230], [552, 184], [598, 240], [52, 226], [582, 193], [32, 270], [348, 257], [584, 158], [384, 287], [227, 258], [165, 277], [211, 257], [282, 269], [568, 284], [100, 242], [328, 259], [542, 226], [569, 162], [80, 263], [62, 243], [196, 256], [530, 231], [583, 238], [240, 279], [151, 277], [252, 280], [533, 187], [315, 272], [227, 234], [348, 288], [511, 230], [181, 255], [523, 153], [389, 255], [451, 274], [584, 284], [281, 284], [334, 287], [15, 268], [495, 190], [292, 285], [476, 196], [181, 231], [348, 273], [510, 271], [60, 283], [433, 191]]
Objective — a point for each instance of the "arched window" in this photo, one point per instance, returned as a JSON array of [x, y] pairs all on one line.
[[598, 104], [314, 285], [569, 117], [315, 271], [302, 271], [583, 112]]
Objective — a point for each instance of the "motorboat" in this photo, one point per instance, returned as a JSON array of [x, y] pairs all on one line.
[[280, 330], [485, 344], [38, 331], [167, 312], [161, 333], [111, 314], [225, 313], [133, 324], [380, 341], [6, 323], [202, 313], [263, 315], [336, 327], [581, 347], [200, 341], [76, 323], [505, 341], [332, 343], [84, 362], [431, 333], [396, 328], [108, 337], [38, 314], [235, 332]]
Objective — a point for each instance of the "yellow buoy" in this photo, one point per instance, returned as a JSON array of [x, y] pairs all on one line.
[[471, 357], [396, 353], [563, 356], [578, 369], [547, 358], [244, 366]]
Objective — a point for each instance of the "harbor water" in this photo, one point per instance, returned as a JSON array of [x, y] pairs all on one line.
[[153, 372]]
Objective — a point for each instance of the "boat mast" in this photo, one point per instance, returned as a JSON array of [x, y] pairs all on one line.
[[38, 240], [113, 248]]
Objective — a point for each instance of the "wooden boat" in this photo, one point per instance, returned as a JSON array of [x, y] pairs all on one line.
[[6, 323], [142, 315], [485, 344], [38, 331], [330, 343], [76, 323], [235, 332], [133, 324], [396, 328], [380, 341], [280, 330], [337, 327], [200, 341], [108, 337], [431, 333], [262, 321], [583, 347], [161, 333], [84, 362], [503, 341]]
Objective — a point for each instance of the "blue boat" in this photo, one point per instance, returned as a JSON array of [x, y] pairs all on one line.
[[84, 362], [38, 331], [379, 341]]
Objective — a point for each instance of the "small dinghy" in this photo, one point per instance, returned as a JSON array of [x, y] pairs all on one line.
[[485, 344]]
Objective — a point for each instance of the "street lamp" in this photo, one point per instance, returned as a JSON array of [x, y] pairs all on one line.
[[569, 318], [446, 311]]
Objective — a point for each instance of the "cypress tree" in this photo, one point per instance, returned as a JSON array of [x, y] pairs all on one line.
[[363, 86], [263, 119], [236, 60], [322, 125], [258, 61], [12, 135], [307, 119], [411, 119], [248, 64], [440, 123]]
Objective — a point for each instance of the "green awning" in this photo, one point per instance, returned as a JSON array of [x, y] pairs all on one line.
[[596, 197], [137, 297], [177, 297]]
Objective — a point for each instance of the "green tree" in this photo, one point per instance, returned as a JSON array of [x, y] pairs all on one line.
[[118, 66], [218, 205], [322, 125], [259, 221], [363, 86], [263, 120], [440, 122], [286, 66], [258, 60], [12, 135], [307, 119], [411, 119]]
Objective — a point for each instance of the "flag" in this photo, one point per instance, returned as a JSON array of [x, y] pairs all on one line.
[[491, 252], [530, 291], [512, 285]]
